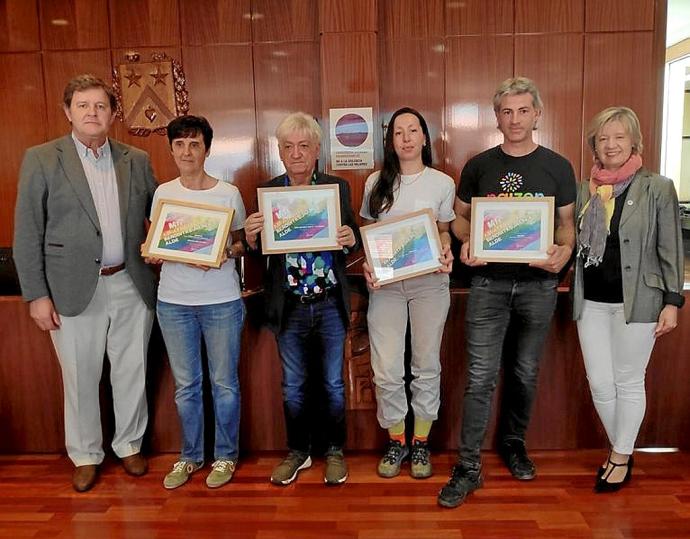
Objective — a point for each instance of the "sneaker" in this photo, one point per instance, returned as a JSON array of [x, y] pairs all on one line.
[[336, 468], [420, 463], [514, 454], [389, 465], [221, 473], [180, 474], [462, 482], [286, 472]]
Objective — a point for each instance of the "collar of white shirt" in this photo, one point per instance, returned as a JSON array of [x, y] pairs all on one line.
[[83, 150]]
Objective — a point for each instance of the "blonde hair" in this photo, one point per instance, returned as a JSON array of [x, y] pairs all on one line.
[[517, 86], [624, 115], [299, 122]]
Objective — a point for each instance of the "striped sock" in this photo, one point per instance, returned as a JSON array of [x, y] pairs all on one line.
[[397, 432], [422, 427]]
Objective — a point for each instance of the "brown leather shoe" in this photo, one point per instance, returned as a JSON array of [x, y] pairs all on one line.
[[84, 477], [135, 464]]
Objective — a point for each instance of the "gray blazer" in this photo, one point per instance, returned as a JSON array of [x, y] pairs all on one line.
[[651, 246], [57, 237]]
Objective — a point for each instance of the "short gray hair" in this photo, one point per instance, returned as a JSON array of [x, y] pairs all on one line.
[[300, 122], [517, 86], [624, 115]]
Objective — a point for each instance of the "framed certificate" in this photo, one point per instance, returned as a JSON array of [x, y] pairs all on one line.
[[188, 232], [508, 229], [402, 247], [300, 219]]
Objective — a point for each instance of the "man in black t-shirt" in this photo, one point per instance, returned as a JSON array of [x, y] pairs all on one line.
[[510, 306]]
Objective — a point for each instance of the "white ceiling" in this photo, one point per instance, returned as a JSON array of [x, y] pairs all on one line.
[[678, 21]]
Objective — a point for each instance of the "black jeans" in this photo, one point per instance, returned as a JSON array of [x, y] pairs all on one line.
[[497, 308]]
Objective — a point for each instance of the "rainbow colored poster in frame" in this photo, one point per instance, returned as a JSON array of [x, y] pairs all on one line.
[[299, 218], [507, 229], [188, 232], [402, 247]]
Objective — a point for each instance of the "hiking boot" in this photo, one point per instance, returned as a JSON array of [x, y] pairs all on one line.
[[462, 482], [336, 468], [420, 460], [221, 473], [514, 454], [286, 472], [180, 474], [389, 465]]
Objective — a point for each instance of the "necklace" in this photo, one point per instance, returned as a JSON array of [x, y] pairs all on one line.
[[413, 177]]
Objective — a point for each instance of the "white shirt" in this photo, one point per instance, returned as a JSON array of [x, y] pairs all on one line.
[[100, 174], [430, 189], [181, 284]]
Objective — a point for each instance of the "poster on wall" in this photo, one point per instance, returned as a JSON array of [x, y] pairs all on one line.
[[352, 138]]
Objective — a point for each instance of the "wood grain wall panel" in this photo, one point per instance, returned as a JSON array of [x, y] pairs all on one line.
[[407, 19], [221, 89], [285, 20], [155, 145], [555, 62], [423, 92], [532, 16], [347, 16], [619, 15], [610, 81], [59, 67], [472, 17], [349, 78], [475, 66], [21, 76], [30, 384], [286, 78], [74, 24], [142, 23], [204, 22], [19, 26]]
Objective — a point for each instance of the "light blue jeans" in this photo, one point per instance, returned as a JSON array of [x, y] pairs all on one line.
[[221, 327]]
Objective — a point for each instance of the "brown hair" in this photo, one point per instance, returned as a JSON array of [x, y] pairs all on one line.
[[84, 82]]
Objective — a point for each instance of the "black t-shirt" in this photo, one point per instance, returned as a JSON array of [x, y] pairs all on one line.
[[540, 173], [604, 282]]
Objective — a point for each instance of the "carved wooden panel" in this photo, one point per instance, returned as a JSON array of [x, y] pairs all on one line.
[[215, 21], [18, 26], [74, 24]]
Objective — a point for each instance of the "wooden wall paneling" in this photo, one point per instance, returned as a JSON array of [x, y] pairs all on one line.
[[19, 26], [30, 384], [142, 23], [58, 68], [407, 19], [221, 89], [23, 108], [653, 146], [74, 24], [421, 89], [349, 78], [555, 62], [155, 145], [286, 78], [285, 20], [610, 81], [533, 16], [215, 21], [475, 66], [347, 16], [619, 15], [472, 17]]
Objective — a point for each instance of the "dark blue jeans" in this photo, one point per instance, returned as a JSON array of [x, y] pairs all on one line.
[[307, 324], [506, 319]]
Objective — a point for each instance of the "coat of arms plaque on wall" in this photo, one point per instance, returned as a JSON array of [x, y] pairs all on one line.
[[149, 94]]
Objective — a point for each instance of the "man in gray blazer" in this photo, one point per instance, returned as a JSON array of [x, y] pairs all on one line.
[[79, 222]]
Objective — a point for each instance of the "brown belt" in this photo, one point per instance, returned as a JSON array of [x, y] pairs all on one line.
[[112, 270]]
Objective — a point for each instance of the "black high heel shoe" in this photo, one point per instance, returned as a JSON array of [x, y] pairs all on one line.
[[603, 486]]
